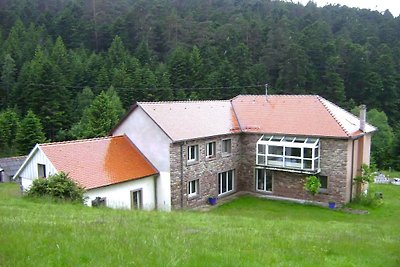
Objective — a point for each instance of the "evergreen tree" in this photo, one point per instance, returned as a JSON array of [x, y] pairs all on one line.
[[8, 76], [99, 118], [83, 100], [29, 133], [8, 129], [117, 53], [143, 53]]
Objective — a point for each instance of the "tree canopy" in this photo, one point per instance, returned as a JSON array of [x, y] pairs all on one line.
[[171, 50]]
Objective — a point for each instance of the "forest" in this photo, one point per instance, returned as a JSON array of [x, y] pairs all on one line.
[[71, 68]]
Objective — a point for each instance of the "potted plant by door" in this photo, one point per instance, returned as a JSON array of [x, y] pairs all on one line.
[[212, 200]]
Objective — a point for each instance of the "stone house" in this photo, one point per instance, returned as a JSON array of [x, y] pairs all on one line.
[[266, 145], [261, 144]]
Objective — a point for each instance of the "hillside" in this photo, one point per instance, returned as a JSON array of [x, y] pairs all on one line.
[[246, 232], [57, 56]]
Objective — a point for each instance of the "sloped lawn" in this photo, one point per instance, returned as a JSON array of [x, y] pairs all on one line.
[[245, 232]]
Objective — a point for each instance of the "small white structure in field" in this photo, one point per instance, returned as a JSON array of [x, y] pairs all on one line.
[[396, 181], [112, 170]]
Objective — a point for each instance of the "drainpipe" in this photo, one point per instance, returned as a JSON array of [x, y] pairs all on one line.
[[182, 174], [352, 171], [155, 191]]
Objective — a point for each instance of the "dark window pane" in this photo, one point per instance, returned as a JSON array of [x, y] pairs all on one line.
[[268, 180], [261, 160], [293, 151], [261, 149], [275, 150], [307, 164], [324, 181], [308, 153]]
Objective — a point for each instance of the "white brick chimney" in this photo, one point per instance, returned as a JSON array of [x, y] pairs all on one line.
[[363, 117]]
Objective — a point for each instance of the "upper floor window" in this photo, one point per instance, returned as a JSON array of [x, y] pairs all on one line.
[[193, 153], [210, 150], [226, 146], [284, 152]]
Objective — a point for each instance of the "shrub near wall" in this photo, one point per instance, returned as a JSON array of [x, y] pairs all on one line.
[[58, 186]]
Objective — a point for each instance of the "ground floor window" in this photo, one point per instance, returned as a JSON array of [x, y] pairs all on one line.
[[136, 199], [226, 182], [264, 180], [193, 188], [324, 183]]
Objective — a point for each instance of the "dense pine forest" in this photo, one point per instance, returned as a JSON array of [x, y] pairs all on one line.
[[71, 68]]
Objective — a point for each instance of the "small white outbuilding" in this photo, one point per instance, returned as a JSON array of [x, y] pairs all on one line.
[[112, 170]]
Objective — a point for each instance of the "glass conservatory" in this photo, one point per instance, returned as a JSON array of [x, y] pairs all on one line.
[[296, 154]]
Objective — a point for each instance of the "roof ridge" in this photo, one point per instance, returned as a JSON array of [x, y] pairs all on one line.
[[183, 101], [333, 115], [274, 96], [80, 140]]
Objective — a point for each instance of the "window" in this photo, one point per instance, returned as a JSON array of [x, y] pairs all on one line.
[[193, 153], [41, 170], [324, 183], [288, 152], [210, 150], [226, 182], [193, 188], [263, 180], [136, 199], [99, 201], [226, 146]]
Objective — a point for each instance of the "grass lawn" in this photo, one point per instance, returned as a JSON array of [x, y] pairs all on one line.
[[245, 232], [392, 174]]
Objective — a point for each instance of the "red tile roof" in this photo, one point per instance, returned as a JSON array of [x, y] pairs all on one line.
[[100, 161], [308, 115], [182, 120]]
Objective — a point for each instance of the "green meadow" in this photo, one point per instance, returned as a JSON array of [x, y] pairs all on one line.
[[247, 231]]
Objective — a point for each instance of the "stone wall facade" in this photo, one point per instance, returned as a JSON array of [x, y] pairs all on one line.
[[333, 164], [206, 170]]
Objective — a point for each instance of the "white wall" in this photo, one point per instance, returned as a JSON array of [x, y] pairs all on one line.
[[148, 137], [30, 170], [154, 144], [119, 195], [164, 191]]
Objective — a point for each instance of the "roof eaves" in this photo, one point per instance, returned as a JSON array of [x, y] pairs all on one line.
[[236, 116], [333, 115], [137, 178], [28, 158]]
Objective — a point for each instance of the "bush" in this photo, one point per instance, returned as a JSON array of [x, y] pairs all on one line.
[[58, 186], [312, 185], [370, 199]]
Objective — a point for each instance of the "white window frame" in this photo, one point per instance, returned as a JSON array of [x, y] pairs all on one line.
[[193, 156], [139, 204], [267, 146], [225, 176], [193, 188], [213, 148], [265, 175], [224, 141]]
